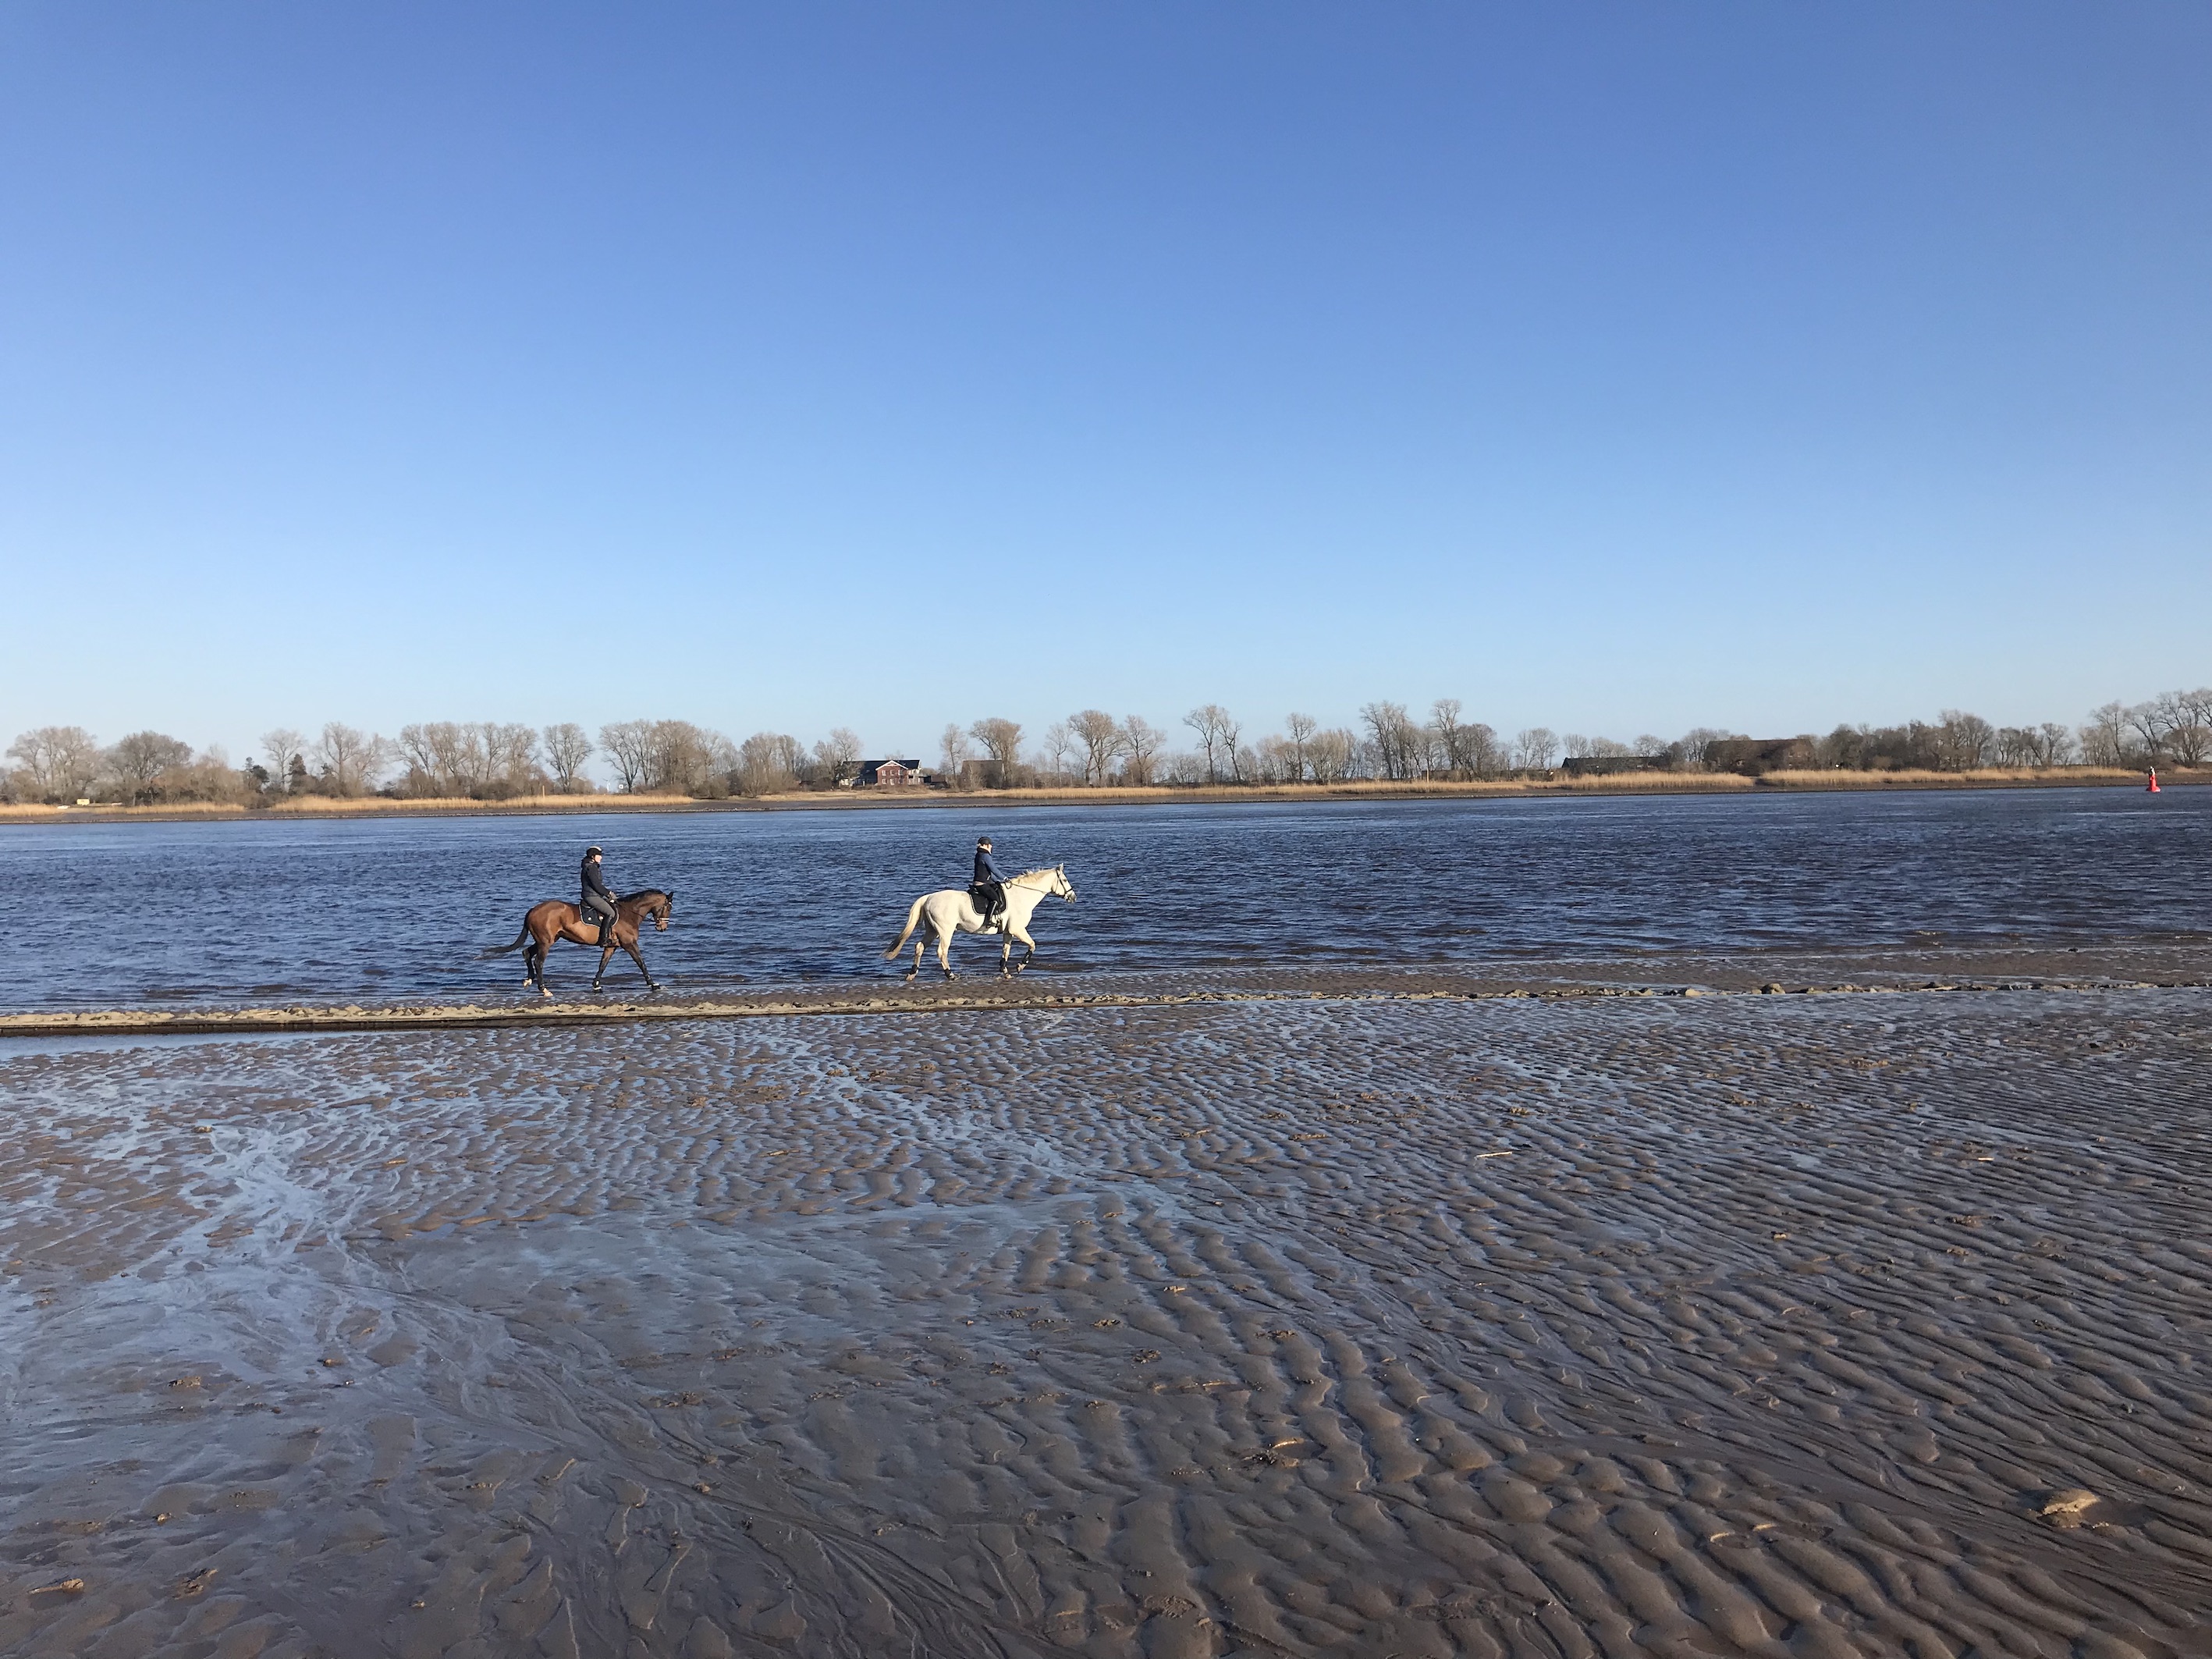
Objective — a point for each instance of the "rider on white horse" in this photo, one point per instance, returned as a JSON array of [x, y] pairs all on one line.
[[989, 887]]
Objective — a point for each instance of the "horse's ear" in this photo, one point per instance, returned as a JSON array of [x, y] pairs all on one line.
[[670, 896]]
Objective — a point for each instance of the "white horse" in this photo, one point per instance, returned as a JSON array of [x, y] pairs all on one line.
[[951, 911]]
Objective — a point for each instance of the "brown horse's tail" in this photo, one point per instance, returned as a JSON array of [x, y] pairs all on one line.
[[520, 939], [913, 921]]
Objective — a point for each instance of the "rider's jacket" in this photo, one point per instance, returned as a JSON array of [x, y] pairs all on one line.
[[985, 870], [594, 882]]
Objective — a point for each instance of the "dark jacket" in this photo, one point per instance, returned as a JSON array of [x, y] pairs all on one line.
[[595, 883], [985, 870]]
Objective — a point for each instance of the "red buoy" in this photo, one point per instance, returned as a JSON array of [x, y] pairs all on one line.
[[2151, 788]]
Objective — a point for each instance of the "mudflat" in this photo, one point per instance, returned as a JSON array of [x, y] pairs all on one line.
[[1337, 1321]]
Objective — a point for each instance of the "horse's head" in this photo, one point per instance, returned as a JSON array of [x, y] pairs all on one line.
[[1061, 886], [659, 912]]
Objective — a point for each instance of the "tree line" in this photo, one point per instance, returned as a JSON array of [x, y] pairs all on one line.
[[490, 760]]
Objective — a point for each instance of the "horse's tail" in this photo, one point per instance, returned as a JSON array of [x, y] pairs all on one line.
[[912, 922], [520, 939]]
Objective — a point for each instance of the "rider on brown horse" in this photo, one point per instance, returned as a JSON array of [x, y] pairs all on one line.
[[598, 904]]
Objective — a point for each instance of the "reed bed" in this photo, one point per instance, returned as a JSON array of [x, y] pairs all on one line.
[[1980, 777], [1625, 783], [313, 806]]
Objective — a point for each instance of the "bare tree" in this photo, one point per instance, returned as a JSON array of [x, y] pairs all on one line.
[[952, 756], [1444, 721], [1479, 753], [2105, 736], [1696, 746], [2054, 745], [1300, 729], [1100, 734], [1329, 755], [348, 762], [59, 761], [684, 759], [140, 758], [2196, 709], [629, 745], [1965, 740], [837, 756], [1059, 746], [1141, 742], [1535, 748], [1391, 731], [1001, 740], [445, 759], [2189, 725], [283, 746], [1217, 731], [510, 758], [767, 763], [567, 748]]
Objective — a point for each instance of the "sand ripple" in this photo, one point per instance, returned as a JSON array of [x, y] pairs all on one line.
[[1814, 1326]]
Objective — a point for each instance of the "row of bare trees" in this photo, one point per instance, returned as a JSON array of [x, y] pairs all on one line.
[[490, 760]]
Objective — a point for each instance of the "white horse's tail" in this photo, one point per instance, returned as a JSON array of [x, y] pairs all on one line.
[[912, 922]]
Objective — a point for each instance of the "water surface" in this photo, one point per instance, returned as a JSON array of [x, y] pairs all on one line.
[[129, 914]]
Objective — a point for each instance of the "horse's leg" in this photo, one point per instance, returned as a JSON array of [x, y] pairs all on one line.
[[1031, 955], [541, 946], [606, 956], [945, 951], [921, 944], [638, 957], [1005, 952]]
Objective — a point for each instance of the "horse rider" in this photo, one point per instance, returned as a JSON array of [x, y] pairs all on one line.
[[988, 888], [598, 905]]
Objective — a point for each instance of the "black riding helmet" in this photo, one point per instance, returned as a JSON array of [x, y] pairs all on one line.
[[593, 853]]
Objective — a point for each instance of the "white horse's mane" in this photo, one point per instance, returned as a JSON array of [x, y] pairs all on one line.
[[1041, 870]]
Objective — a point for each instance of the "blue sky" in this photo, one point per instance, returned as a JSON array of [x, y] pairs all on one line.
[[1613, 368]]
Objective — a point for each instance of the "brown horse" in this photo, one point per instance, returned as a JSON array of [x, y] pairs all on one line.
[[557, 919]]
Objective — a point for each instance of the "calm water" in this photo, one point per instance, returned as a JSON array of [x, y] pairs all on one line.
[[110, 915]]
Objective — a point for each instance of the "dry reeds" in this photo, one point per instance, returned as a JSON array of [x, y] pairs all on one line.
[[1980, 777], [386, 806]]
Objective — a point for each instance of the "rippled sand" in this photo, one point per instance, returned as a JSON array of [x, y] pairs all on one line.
[[1822, 1327]]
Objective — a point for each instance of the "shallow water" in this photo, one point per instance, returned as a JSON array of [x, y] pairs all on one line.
[[230, 912]]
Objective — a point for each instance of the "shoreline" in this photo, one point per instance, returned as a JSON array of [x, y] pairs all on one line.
[[1713, 783], [2092, 969]]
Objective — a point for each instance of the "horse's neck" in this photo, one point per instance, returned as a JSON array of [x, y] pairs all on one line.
[[1020, 893]]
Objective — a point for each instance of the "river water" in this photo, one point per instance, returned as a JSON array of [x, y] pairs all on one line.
[[110, 915]]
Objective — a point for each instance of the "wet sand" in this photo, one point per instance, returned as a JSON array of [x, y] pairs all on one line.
[[1370, 1317]]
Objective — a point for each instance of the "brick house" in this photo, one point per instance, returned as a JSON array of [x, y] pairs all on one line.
[[889, 775]]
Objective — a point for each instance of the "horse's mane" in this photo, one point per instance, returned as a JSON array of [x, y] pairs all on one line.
[[642, 892], [1041, 870]]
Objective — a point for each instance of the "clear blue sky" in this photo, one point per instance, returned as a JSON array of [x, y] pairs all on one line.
[[1611, 367]]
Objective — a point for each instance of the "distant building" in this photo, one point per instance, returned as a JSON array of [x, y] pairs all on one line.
[[889, 775], [1753, 757], [1600, 766]]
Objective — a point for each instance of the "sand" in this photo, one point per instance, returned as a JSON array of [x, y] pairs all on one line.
[[1339, 1320]]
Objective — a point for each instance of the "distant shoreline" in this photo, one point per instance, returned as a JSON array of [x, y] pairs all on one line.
[[1647, 783]]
